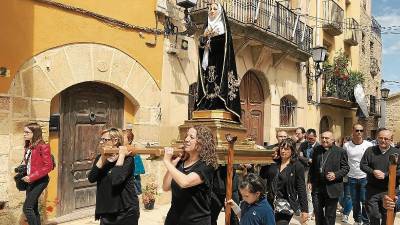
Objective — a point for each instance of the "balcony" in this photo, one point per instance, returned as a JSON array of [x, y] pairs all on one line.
[[333, 18], [352, 32], [266, 22], [374, 106], [374, 66], [376, 28], [336, 92]]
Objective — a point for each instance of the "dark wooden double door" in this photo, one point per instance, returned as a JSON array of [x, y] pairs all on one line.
[[86, 109], [252, 103]]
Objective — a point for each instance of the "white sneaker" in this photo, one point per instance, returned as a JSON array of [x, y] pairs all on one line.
[[345, 219]]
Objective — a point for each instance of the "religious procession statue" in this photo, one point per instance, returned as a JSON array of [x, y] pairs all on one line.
[[218, 84]]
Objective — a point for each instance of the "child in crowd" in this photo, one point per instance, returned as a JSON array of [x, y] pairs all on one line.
[[254, 209]]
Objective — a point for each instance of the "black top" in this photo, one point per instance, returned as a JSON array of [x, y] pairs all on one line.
[[373, 159], [191, 206], [219, 181], [115, 187], [324, 161], [288, 184], [303, 149]]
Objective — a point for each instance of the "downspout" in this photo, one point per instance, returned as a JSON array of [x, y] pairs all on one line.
[[318, 43]]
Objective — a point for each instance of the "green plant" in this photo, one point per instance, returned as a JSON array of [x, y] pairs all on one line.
[[339, 80]]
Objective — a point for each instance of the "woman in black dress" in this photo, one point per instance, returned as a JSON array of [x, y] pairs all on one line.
[[116, 199], [190, 179], [286, 181]]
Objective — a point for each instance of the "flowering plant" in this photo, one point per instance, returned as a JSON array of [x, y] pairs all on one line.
[[149, 193]]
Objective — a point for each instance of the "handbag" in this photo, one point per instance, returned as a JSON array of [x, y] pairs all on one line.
[[21, 172], [282, 206]]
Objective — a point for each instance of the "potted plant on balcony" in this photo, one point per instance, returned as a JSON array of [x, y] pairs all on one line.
[[339, 81], [149, 195]]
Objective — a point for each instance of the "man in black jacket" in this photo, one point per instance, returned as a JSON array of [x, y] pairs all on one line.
[[375, 163], [329, 166]]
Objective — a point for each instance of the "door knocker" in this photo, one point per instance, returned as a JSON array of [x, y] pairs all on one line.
[[92, 116]]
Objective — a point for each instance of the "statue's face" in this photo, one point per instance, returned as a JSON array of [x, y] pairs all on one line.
[[213, 11]]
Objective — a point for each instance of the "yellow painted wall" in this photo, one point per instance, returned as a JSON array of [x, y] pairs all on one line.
[[29, 27]]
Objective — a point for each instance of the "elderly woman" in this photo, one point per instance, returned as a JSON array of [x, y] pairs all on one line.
[[218, 85], [286, 184], [190, 179], [116, 199]]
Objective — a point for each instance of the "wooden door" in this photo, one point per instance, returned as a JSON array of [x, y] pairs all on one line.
[[252, 102], [86, 109]]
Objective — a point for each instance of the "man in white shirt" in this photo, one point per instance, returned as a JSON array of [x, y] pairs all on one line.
[[357, 179]]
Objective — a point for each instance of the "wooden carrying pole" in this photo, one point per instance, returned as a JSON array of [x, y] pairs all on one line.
[[393, 160], [229, 176], [156, 152]]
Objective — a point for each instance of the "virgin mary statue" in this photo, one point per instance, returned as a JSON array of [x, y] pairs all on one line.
[[218, 85]]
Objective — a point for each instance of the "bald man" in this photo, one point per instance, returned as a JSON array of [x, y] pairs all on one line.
[[328, 167], [375, 163]]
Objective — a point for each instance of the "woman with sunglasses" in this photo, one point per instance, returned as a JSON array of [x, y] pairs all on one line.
[[38, 163], [190, 179], [116, 199], [286, 183]]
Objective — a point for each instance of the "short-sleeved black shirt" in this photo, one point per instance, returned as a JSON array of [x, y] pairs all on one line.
[[191, 206]]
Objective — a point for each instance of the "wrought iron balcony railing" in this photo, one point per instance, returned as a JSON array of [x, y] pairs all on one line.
[[337, 87], [333, 18], [376, 27], [352, 33], [269, 16], [374, 106]]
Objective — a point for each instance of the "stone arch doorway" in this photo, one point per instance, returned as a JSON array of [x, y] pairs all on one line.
[[42, 78], [252, 103], [86, 109], [325, 124]]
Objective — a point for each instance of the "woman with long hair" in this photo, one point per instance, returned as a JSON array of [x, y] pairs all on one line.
[[116, 199], [38, 163], [190, 179], [286, 184]]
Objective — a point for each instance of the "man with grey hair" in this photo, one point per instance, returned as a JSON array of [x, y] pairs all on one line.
[[328, 167], [375, 163]]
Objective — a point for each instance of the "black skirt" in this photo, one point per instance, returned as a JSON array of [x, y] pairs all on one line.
[[129, 216]]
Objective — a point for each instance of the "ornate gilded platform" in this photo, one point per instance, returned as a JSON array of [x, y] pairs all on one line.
[[221, 123]]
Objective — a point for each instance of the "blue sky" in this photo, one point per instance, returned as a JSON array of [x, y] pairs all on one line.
[[387, 12]]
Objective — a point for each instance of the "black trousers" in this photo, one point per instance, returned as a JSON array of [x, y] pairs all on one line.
[[374, 205], [33, 192], [324, 206], [217, 202], [282, 219], [129, 216]]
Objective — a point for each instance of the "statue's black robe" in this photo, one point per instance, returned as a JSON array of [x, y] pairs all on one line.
[[218, 85]]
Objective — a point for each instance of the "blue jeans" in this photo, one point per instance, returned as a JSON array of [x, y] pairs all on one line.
[[358, 195], [345, 199]]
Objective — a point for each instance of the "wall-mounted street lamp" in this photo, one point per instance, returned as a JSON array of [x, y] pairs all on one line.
[[170, 28], [319, 55], [385, 93]]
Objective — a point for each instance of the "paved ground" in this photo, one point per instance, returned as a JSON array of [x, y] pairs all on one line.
[[157, 216]]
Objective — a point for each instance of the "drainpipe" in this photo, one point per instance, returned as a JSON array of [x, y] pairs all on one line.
[[317, 43]]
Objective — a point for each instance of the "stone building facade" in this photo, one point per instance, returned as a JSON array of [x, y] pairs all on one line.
[[370, 64], [393, 116]]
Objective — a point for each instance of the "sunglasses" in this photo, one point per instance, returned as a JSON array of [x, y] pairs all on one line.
[[359, 131], [104, 140]]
